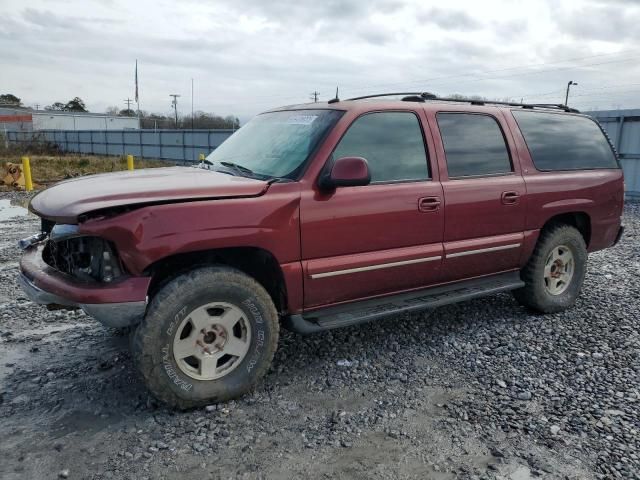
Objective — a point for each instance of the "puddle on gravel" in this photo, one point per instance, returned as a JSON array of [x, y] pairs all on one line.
[[9, 211]]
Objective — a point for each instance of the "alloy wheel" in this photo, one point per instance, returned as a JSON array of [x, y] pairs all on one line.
[[558, 270], [212, 341]]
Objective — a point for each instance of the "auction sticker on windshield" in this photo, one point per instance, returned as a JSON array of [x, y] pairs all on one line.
[[301, 119]]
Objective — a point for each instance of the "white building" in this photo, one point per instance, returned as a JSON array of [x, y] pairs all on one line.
[[54, 120]]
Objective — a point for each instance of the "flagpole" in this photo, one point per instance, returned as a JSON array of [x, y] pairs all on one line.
[[192, 104], [137, 96]]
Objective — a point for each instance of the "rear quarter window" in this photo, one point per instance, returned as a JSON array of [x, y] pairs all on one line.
[[565, 142]]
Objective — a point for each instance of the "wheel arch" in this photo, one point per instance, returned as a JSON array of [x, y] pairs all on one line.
[[581, 221], [258, 263]]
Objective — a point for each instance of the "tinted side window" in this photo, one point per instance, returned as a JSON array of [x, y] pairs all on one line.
[[473, 145], [392, 144], [564, 142]]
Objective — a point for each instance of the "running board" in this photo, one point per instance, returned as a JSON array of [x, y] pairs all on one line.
[[367, 310]]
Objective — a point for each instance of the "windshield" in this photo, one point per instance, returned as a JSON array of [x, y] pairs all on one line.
[[275, 144]]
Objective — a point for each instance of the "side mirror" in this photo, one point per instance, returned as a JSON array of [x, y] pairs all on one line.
[[346, 172]]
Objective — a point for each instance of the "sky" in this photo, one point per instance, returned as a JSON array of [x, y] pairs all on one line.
[[246, 56]]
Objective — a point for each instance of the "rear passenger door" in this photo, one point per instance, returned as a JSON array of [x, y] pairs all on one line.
[[484, 195]]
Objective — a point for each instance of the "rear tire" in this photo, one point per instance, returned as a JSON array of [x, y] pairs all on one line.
[[555, 272], [208, 336]]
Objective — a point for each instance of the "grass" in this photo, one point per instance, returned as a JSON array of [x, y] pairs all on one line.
[[46, 169]]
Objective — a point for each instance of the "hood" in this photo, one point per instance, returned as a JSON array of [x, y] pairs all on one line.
[[65, 201]]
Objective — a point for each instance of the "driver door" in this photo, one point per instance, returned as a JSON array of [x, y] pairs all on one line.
[[385, 237]]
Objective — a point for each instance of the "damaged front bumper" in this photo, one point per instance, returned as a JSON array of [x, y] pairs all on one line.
[[117, 304]]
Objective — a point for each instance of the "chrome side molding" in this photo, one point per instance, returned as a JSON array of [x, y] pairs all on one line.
[[375, 267]]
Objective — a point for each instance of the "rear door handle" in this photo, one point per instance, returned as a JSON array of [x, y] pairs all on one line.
[[429, 204], [510, 198]]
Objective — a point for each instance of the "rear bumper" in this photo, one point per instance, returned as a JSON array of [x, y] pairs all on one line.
[[118, 304]]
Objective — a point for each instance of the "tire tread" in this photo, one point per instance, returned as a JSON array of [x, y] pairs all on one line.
[[146, 336], [530, 295]]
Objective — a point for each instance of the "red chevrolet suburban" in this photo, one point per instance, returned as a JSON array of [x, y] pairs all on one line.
[[324, 215]]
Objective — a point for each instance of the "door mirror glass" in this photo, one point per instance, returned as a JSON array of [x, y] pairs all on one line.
[[347, 172]]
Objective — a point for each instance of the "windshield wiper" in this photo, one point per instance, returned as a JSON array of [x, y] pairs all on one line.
[[238, 168], [244, 170]]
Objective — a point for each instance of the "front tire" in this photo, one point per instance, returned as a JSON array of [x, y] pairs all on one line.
[[555, 272], [208, 336]]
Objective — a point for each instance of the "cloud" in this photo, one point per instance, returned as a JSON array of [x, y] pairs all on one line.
[[375, 36], [307, 13], [449, 19], [49, 20], [246, 56], [605, 23]]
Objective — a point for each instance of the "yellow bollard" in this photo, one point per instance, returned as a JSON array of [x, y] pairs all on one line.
[[201, 157], [129, 162], [26, 167]]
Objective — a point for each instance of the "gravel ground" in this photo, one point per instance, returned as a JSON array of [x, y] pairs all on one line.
[[478, 390]]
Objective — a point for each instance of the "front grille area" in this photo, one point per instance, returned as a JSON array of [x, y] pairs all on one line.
[[89, 259]]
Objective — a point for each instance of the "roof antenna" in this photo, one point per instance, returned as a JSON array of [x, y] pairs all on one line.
[[334, 100]]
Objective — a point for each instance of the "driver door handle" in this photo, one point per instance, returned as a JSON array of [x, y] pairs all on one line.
[[429, 204], [510, 198]]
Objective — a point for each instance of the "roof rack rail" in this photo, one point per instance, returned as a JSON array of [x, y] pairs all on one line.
[[558, 106], [423, 96]]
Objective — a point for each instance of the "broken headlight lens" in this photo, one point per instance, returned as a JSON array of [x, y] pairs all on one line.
[[83, 257]]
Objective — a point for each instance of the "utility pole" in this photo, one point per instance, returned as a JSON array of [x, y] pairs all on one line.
[[566, 98], [192, 104], [37, 105], [174, 104], [128, 102], [314, 96]]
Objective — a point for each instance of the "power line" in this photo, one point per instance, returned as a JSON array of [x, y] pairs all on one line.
[[537, 72], [483, 75], [518, 67], [609, 87], [610, 94], [604, 87]]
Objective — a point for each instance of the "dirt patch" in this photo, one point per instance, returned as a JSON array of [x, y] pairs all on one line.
[[47, 169]]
